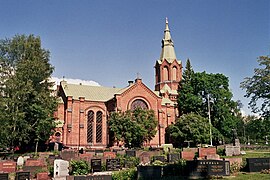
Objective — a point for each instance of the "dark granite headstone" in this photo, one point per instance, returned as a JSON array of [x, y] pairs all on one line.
[[149, 172], [131, 153], [159, 158], [204, 168], [258, 164], [22, 175], [113, 164], [172, 158], [96, 165], [4, 176]]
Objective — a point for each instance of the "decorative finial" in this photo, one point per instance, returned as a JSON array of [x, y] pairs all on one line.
[[167, 25], [138, 75]]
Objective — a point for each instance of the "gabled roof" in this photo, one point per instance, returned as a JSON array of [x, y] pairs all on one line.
[[92, 93], [167, 88]]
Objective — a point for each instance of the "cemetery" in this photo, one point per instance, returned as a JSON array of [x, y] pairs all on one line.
[[107, 164]]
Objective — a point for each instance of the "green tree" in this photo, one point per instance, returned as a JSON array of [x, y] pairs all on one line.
[[190, 127], [193, 97], [257, 129], [133, 127], [257, 87], [188, 100], [27, 103]]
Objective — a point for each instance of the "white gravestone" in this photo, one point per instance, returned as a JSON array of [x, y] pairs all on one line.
[[20, 161], [60, 168]]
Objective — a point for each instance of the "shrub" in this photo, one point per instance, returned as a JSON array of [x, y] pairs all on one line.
[[235, 167], [221, 151], [79, 167], [128, 174]]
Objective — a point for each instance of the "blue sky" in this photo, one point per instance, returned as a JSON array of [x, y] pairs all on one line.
[[111, 41]]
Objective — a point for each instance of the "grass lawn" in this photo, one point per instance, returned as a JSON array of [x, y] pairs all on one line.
[[250, 176], [256, 154]]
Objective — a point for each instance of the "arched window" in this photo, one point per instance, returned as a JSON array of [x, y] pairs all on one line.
[[165, 73], [174, 73], [99, 127], [90, 120], [57, 136], [138, 103]]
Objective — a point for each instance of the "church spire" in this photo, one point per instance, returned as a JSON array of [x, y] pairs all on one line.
[[167, 51]]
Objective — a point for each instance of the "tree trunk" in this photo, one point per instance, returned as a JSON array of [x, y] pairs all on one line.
[[36, 147]]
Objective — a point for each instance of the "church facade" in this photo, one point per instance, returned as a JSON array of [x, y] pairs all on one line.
[[83, 110]]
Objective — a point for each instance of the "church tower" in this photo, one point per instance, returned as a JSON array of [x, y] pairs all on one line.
[[168, 68]]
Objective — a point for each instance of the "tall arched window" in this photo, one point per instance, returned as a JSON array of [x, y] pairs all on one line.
[[174, 73], [90, 120], [99, 127], [165, 73]]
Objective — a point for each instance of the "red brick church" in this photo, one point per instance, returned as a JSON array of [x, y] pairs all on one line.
[[83, 110]]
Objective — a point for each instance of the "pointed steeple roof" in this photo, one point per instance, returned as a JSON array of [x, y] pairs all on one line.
[[167, 51]]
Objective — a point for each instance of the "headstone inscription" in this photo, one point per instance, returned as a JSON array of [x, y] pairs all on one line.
[[4, 176], [61, 168], [96, 165], [7, 166], [204, 168], [258, 164], [113, 164], [172, 158], [22, 175]]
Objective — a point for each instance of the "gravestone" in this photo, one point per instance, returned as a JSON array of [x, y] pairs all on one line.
[[7, 166], [60, 168], [149, 172], [204, 168], [4, 176], [96, 165], [232, 150], [145, 158], [22, 175], [121, 152], [129, 164], [258, 164], [110, 155], [81, 178], [172, 158], [69, 154], [33, 165], [207, 151], [43, 176], [113, 164], [20, 161], [131, 153], [159, 158], [187, 155]]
